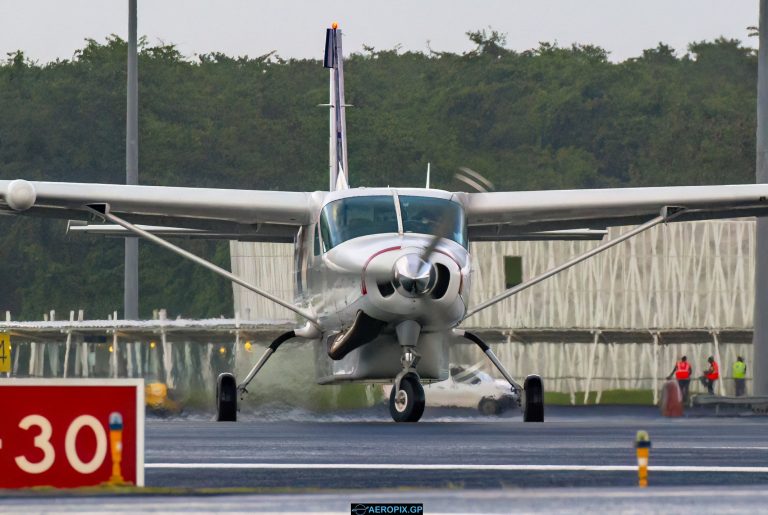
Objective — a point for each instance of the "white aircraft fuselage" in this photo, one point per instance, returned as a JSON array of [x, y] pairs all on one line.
[[365, 253]]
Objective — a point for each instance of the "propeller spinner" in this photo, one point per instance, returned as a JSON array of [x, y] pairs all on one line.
[[413, 276]]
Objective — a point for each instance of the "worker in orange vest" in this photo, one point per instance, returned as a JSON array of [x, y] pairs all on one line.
[[682, 373], [711, 375]]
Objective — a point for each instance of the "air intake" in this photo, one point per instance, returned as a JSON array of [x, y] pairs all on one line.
[[443, 281]]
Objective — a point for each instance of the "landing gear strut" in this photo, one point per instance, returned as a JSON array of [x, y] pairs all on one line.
[[406, 401], [227, 388], [532, 392]]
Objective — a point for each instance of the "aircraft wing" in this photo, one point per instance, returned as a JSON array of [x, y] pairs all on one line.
[[508, 215], [251, 215]]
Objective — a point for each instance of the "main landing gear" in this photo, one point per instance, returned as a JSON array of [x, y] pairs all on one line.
[[226, 398], [533, 407], [227, 388], [530, 395]]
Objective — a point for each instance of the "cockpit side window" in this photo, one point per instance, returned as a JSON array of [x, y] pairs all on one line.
[[429, 215], [353, 217]]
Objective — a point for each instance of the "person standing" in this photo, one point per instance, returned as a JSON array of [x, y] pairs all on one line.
[[739, 376], [682, 373], [711, 375]]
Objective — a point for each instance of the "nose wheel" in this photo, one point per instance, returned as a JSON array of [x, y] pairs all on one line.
[[406, 403]]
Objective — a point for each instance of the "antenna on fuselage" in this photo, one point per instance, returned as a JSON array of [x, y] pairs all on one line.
[[428, 166], [337, 147]]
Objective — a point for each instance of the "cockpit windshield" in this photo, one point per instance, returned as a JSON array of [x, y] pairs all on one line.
[[353, 217], [429, 215]]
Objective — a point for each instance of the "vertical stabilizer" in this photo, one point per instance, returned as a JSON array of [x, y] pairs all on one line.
[[338, 165]]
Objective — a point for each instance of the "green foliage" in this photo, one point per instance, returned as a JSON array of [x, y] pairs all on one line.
[[549, 117]]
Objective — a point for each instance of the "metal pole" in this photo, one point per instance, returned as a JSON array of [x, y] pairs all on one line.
[[131, 291], [591, 364], [760, 347]]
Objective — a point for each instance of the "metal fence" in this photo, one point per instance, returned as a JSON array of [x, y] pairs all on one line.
[[187, 356]]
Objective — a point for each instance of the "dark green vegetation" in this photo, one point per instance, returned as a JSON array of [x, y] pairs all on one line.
[[545, 118]]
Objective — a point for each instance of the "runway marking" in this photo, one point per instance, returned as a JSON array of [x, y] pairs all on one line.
[[716, 447], [451, 466]]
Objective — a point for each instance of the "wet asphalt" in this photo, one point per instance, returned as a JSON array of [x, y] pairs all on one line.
[[453, 461], [297, 443]]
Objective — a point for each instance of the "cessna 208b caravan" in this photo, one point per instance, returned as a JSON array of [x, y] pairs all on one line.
[[382, 274]]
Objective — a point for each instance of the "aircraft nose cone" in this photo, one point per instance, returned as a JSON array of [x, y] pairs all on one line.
[[413, 276]]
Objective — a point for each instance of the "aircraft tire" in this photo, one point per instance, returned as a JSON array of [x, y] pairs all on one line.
[[410, 406], [533, 410], [488, 406], [226, 398]]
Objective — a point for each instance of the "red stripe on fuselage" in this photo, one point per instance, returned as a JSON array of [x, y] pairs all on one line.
[[363, 289]]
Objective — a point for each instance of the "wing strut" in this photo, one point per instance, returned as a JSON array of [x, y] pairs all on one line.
[[488, 352], [667, 214], [102, 210]]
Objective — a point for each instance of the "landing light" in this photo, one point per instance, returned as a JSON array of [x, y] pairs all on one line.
[[334, 25], [111, 349], [152, 345], [222, 350], [248, 346]]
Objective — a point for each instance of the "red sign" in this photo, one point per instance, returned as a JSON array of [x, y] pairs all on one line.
[[71, 432]]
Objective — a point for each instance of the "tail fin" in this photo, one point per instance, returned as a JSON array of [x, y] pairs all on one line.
[[338, 131]]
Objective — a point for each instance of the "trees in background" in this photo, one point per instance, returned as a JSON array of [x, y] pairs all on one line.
[[550, 117]]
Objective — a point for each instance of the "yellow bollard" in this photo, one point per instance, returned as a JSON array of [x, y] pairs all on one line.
[[643, 445], [116, 446]]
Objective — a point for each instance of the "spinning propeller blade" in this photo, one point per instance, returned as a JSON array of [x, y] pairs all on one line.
[[474, 179], [471, 178]]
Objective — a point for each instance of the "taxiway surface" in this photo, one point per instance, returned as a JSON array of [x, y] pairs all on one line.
[[364, 450], [670, 500]]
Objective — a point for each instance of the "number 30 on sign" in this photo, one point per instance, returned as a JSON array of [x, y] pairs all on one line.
[[70, 433]]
